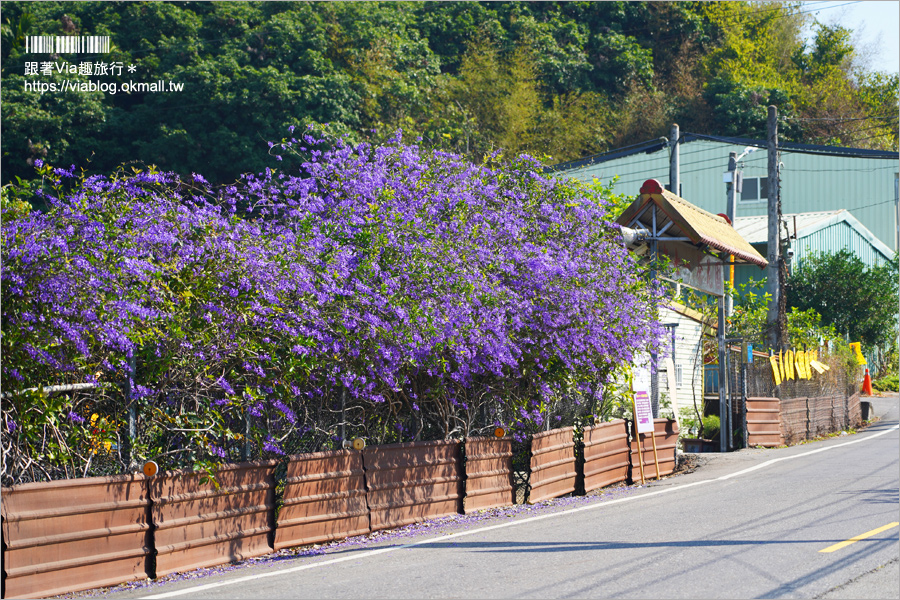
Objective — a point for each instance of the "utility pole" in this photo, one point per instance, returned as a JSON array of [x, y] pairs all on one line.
[[675, 161], [773, 272], [731, 189]]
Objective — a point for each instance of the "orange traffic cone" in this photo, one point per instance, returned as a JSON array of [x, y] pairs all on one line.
[[867, 384]]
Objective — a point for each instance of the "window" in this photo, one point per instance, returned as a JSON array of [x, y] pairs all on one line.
[[679, 376], [755, 189]]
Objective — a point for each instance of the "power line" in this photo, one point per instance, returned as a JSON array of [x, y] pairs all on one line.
[[891, 201], [842, 119]]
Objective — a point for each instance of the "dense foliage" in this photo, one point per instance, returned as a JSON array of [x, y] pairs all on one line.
[[417, 286], [855, 299], [558, 79]]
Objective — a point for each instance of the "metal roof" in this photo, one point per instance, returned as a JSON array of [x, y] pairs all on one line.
[[651, 146], [678, 217], [800, 225], [756, 229]]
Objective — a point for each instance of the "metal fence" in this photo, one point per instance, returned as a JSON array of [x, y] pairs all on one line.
[[808, 407], [97, 433]]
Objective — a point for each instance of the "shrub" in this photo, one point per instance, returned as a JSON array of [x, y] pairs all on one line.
[[413, 285]]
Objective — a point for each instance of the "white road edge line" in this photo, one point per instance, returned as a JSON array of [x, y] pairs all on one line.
[[324, 563]]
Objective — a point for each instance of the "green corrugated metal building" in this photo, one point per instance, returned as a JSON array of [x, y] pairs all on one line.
[[814, 179], [810, 232]]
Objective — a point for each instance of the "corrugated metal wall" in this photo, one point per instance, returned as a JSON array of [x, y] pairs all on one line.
[[489, 473], [65, 536], [553, 469], [833, 239]]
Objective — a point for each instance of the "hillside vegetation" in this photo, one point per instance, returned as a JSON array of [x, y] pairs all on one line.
[[558, 80]]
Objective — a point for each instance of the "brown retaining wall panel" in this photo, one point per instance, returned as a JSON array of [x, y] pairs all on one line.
[[666, 436], [412, 482], [821, 416], [324, 499], [854, 410], [764, 422], [489, 473], [794, 419], [606, 456], [553, 470], [201, 525], [76, 534]]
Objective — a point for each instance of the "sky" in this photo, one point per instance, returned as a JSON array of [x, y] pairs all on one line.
[[876, 26]]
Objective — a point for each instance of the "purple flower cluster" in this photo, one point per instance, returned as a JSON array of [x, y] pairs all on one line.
[[407, 278]]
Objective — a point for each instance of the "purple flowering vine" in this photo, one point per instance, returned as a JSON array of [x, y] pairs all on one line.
[[408, 282]]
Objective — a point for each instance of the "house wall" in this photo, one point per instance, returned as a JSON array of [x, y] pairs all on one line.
[[810, 182], [687, 354]]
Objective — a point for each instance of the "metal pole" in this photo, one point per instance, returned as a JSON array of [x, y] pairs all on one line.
[[732, 213], [773, 273], [675, 161], [343, 415], [744, 399], [654, 374], [726, 425], [132, 410], [731, 186], [131, 414], [723, 380]]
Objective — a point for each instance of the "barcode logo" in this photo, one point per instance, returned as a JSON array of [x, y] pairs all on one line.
[[66, 44]]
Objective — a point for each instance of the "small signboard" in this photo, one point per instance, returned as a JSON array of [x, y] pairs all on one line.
[[643, 411]]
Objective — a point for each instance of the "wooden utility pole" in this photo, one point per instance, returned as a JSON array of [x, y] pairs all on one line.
[[773, 272]]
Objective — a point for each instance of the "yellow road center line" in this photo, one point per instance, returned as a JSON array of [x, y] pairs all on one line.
[[863, 536]]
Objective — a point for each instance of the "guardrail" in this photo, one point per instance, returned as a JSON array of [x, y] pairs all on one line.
[[412, 482], [643, 452], [202, 524], [763, 422]]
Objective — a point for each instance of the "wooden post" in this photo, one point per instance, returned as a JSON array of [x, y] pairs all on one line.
[[773, 272], [638, 434], [655, 455]]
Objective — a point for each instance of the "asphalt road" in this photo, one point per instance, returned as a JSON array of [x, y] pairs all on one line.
[[749, 524]]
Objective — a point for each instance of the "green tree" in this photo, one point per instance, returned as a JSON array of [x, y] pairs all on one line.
[[857, 300]]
